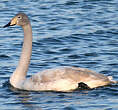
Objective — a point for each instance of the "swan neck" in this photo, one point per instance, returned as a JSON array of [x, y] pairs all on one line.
[[26, 49], [22, 68]]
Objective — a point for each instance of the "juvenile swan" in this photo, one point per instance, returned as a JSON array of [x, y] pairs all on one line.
[[58, 79]]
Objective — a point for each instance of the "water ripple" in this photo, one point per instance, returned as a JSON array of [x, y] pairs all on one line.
[[66, 33]]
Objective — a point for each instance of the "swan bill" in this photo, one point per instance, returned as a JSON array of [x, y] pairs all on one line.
[[7, 25]]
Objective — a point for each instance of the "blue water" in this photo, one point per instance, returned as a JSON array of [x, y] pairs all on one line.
[[82, 33]]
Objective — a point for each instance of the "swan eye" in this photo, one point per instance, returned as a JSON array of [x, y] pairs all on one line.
[[19, 17]]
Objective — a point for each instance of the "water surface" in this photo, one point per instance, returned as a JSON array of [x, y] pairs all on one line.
[[81, 33]]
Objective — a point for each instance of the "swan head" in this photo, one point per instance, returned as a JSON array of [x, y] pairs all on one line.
[[20, 19]]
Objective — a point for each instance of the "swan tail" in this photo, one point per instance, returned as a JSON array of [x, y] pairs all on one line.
[[111, 80]]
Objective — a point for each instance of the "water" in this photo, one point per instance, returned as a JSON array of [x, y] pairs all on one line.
[[82, 33]]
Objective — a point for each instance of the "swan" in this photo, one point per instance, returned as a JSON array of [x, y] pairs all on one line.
[[63, 79]]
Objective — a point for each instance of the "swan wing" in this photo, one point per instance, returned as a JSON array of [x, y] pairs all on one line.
[[65, 79]]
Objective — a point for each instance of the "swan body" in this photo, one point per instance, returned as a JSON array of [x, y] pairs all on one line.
[[63, 79], [57, 79]]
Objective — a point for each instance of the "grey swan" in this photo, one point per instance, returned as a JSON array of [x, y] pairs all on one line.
[[63, 79]]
